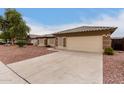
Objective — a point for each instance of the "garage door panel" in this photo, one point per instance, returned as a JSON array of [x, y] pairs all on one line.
[[86, 43]]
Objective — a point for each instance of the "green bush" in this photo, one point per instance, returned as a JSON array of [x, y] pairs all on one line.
[[21, 43], [109, 51]]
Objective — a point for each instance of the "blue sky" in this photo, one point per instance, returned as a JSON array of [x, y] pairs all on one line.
[[42, 20]]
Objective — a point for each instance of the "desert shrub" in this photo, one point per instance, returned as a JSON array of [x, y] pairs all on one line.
[[2, 41], [21, 43], [109, 51]]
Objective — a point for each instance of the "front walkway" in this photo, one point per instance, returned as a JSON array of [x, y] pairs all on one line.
[[61, 67]]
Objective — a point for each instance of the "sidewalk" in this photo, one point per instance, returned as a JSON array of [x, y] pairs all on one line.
[[9, 77]]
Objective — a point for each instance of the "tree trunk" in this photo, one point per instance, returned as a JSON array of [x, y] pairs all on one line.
[[6, 41], [13, 41]]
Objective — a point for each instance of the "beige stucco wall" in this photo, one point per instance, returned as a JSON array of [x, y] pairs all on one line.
[[60, 42], [83, 43], [34, 41], [42, 42], [51, 42]]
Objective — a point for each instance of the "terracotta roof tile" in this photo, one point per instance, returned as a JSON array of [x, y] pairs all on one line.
[[86, 29]]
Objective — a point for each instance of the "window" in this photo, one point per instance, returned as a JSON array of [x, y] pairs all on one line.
[[64, 42]]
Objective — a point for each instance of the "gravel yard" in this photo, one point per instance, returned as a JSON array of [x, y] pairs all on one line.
[[114, 68], [10, 54]]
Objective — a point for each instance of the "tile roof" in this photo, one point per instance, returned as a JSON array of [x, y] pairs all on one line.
[[87, 29], [48, 35], [34, 36], [40, 36]]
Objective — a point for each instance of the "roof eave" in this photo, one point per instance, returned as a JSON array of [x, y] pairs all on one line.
[[113, 30], [109, 31]]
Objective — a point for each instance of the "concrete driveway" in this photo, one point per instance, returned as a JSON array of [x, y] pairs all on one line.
[[62, 67]]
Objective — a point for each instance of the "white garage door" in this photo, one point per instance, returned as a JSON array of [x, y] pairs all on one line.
[[85, 43]]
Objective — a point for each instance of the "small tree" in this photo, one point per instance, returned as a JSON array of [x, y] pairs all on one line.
[[5, 36], [3, 24], [13, 25]]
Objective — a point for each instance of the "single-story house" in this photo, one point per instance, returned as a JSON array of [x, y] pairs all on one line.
[[33, 39], [47, 40], [42, 40], [85, 38], [118, 43]]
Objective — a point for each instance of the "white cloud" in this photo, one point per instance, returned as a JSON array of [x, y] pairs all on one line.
[[104, 20], [40, 29], [117, 21]]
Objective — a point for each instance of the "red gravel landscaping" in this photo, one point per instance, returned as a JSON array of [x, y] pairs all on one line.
[[10, 54], [114, 68]]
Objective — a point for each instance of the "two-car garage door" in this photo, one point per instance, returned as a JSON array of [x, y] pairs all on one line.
[[85, 43]]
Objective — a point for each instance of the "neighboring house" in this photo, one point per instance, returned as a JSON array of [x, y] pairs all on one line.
[[51, 40], [42, 40], [47, 40], [33, 39], [85, 38], [118, 43]]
